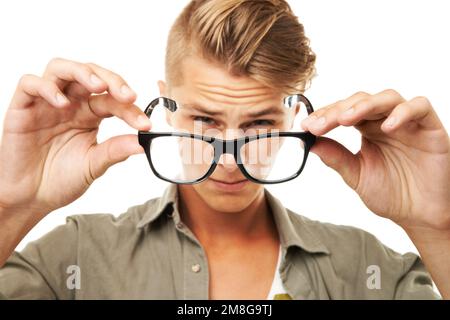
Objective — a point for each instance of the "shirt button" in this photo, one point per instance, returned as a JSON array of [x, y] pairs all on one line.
[[179, 225], [195, 268]]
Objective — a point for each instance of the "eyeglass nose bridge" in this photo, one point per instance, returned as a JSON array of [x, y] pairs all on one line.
[[225, 147]]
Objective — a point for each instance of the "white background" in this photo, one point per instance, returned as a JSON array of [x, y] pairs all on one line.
[[360, 45]]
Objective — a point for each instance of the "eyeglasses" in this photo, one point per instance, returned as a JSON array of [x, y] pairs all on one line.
[[188, 158]]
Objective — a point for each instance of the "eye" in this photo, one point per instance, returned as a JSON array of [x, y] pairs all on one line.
[[205, 120], [262, 122]]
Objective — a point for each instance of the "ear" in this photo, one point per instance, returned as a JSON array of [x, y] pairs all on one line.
[[169, 117], [293, 114], [297, 109], [162, 88], [163, 93]]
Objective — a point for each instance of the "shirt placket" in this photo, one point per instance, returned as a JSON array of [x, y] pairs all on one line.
[[195, 266]]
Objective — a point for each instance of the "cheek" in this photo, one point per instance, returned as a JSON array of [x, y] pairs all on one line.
[[174, 120], [181, 121]]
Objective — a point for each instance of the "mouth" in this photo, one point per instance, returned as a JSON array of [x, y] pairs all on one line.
[[229, 186]]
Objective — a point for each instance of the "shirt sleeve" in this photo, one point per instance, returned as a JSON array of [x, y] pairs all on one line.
[[360, 266], [40, 271], [415, 283], [403, 276]]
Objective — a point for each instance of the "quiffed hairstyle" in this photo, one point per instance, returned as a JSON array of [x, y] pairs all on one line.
[[261, 39]]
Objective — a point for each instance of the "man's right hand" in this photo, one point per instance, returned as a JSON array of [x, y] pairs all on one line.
[[49, 154]]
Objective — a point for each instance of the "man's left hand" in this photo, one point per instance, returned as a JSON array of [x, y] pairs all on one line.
[[402, 171]]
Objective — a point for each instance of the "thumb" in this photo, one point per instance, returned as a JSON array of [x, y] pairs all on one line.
[[110, 152], [339, 158]]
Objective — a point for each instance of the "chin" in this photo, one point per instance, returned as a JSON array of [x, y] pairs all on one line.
[[228, 201]]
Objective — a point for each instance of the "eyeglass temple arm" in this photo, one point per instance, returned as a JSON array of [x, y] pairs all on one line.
[[168, 103], [172, 105], [309, 107]]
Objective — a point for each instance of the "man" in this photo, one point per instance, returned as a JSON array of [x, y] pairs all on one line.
[[225, 237]]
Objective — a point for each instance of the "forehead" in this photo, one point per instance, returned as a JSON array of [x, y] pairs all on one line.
[[204, 81]]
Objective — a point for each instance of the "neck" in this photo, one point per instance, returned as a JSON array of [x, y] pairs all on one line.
[[210, 225]]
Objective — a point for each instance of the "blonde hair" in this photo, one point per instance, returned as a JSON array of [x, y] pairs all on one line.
[[261, 39]]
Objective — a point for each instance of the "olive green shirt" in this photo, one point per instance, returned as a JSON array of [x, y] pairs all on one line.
[[148, 253]]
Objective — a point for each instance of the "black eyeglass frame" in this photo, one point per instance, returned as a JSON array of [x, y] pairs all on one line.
[[223, 146]]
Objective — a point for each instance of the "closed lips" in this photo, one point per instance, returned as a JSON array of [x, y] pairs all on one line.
[[229, 182]]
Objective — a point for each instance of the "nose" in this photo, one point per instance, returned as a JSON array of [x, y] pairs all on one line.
[[227, 163], [226, 160]]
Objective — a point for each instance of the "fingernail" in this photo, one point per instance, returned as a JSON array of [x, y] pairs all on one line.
[[319, 122], [143, 121], [95, 80], [309, 119], [126, 91], [348, 111], [60, 99], [304, 122], [390, 122]]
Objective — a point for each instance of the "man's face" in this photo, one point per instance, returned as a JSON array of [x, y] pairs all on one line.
[[216, 103]]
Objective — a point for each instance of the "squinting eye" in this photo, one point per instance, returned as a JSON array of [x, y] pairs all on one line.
[[262, 123], [205, 120]]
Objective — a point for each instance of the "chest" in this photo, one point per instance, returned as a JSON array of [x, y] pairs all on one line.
[[246, 274]]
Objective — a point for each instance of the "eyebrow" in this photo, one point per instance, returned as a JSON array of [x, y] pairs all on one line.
[[268, 111], [273, 110], [202, 109]]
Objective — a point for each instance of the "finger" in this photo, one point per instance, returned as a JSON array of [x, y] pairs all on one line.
[[63, 71], [104, 105], [117, 86], [112, 151], [339, 158], [418, 109], [76, 90], [375, 107], [324, 119], [31, 87]]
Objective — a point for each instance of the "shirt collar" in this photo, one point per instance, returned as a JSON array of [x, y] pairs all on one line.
[[293, 229], [167, 203]]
